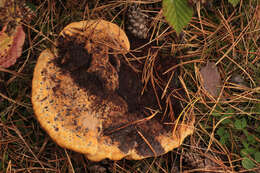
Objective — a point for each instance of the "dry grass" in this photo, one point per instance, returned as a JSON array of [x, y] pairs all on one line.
[[222, 34]]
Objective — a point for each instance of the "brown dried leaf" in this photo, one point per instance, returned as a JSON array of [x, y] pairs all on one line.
[[11, 46], [210, 79], [206, 162]]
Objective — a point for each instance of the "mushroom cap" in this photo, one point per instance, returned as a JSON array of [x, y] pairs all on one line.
[[99, 30], [87, 118]]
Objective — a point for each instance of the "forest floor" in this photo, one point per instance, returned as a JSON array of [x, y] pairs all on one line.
[[227, 126]]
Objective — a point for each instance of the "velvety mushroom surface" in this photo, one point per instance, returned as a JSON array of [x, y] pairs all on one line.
[[88, 99]]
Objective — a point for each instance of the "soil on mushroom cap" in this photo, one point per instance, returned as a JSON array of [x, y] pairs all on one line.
[[74, 60]]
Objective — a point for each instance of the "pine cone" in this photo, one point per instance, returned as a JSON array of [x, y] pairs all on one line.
[[137, 22]]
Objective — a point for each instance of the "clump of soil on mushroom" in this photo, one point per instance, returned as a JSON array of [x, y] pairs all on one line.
[[130, 87], [74, 59]]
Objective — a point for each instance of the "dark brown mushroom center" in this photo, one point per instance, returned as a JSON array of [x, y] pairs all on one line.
[[74, 60]]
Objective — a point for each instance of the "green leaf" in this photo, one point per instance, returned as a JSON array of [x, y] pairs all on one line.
[[3, 119], [258, 129], [223, 141], [216, 113], [257, 157], [257, 107], [229, 112], [221, 131], [223, 134], [245, 132], [251, 139], [240, 124], [251, 151], [244, 123], [226, 121], [247, 163], [234, 2], [245, 144], [243, 152], [178, 13]]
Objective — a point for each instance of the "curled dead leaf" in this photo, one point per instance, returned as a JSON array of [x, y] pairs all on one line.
[[11, 46], [206, 162], [210, 79]]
